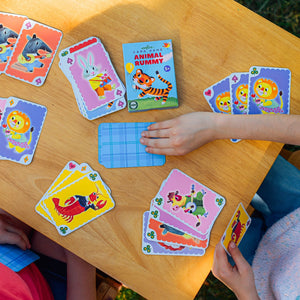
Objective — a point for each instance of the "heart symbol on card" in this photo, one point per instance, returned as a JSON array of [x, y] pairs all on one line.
[[252, 95], [4, 125], [72, 166], [236, 102], [208, 93]]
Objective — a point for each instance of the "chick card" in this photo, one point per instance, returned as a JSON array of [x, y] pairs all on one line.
[[150, 247], [239, 93], [190, 201], [21, 126], [269, 90], [10, 27], [236, 228], [79, 203], [33, 53], [218, 96]]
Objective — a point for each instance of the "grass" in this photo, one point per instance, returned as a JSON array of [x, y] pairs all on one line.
[[286, 14]]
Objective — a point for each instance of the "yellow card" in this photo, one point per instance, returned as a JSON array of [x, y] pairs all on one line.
[[236, 228], [79, 203]]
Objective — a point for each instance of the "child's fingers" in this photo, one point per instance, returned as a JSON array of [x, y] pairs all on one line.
[[15, 230], [13, 239], [161, 151], [157, 133], [221, 267], [161, 125], [241, 263]]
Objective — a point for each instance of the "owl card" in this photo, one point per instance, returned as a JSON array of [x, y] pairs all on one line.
[[236, 228], [21, 126], [10, 27], [239, 93], [269, 90], [33, 53], [218, 96], [150, 247]]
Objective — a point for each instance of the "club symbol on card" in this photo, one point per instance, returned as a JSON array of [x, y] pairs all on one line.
[[158, 201], [70, 61], [28, 25], [72, 166], [63, 229], [219, 201], [154, 214], [208, 93], [234, 78], [93, 176], [254, 71], [151, 235], [64, 53], [147, 249]]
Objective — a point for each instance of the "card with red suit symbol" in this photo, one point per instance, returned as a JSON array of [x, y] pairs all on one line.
[[236, 228], [76, 197], [239, 93]]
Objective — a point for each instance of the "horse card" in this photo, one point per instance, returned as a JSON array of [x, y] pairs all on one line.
[[150, 247], [21, 126], [269, 90], [239, 93], [236, 228], [10, 27], [33, 53]]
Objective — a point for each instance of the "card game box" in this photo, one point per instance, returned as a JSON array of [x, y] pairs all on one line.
[[150, 75]]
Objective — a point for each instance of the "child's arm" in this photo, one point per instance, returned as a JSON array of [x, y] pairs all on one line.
[[188, 132]]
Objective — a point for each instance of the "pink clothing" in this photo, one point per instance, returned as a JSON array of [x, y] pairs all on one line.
[[28, 284]]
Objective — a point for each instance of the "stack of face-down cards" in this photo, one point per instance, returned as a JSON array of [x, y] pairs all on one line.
[[181, 217], [27, 48], [262, 90], [97, 87], [21, 125], [77, 196]]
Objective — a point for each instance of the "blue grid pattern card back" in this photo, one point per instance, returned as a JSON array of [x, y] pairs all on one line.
[[119, 146]]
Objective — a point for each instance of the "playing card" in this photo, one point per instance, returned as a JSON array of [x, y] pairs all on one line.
[[10, 26], [3, 102], [239, 93], [236, 228], [21, 125], [161, 248], [269, 90], [33, 53]]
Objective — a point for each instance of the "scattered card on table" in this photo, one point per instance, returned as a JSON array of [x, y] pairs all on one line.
[[236, 228]]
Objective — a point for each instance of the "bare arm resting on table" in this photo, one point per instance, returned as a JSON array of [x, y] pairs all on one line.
[[188, 132]]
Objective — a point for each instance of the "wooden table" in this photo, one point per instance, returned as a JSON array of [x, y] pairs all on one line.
[[211, 39]]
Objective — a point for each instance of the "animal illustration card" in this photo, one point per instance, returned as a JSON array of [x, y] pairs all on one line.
[[119, 146], [236, 228], [150, 75], [161, 248], [21, 126], [33, 53], [269, 90], [239, 93], [218, 96], [78, 203], [10, 27], [88, 67], [190, 201]]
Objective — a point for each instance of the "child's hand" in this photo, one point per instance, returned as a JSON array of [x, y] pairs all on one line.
[[240, 278], [11, 234], [180, 135]]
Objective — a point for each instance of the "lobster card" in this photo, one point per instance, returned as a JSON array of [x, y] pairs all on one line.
[[151, 247], [239, 93], [21, 126], [33, 53], [269, 90], [10, 27], [236, 228]]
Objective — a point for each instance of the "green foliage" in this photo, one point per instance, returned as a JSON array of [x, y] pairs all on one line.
[[128, 294]]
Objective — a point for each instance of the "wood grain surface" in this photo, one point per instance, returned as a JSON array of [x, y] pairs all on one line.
[[211, 39]]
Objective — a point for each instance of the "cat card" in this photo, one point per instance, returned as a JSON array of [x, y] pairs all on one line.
[[218, 96], [119, 146], [160, 248], [236, 228], [160, 232], [79, 203], [269, 90], [160, 215], [21, 126], [239, 93], [10, 27], [89, 67], [33, 53], [190, 201]]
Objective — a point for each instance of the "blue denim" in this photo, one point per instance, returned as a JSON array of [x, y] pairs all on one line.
[[278, 195]]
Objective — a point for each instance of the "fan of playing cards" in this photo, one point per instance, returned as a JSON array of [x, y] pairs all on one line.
[[98, 89], [77, 196], [181, 217]]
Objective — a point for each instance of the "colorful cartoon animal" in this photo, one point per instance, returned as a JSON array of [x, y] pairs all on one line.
[[100, 82], [144, 82], [5, 45], [15, 129], [189, 203], [266, 92], [223, 102], [242, 96], [237, 228], [78, 204]]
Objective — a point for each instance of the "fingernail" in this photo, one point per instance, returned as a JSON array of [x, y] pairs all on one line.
[[141, 140], [143, 133], [232, 245]]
